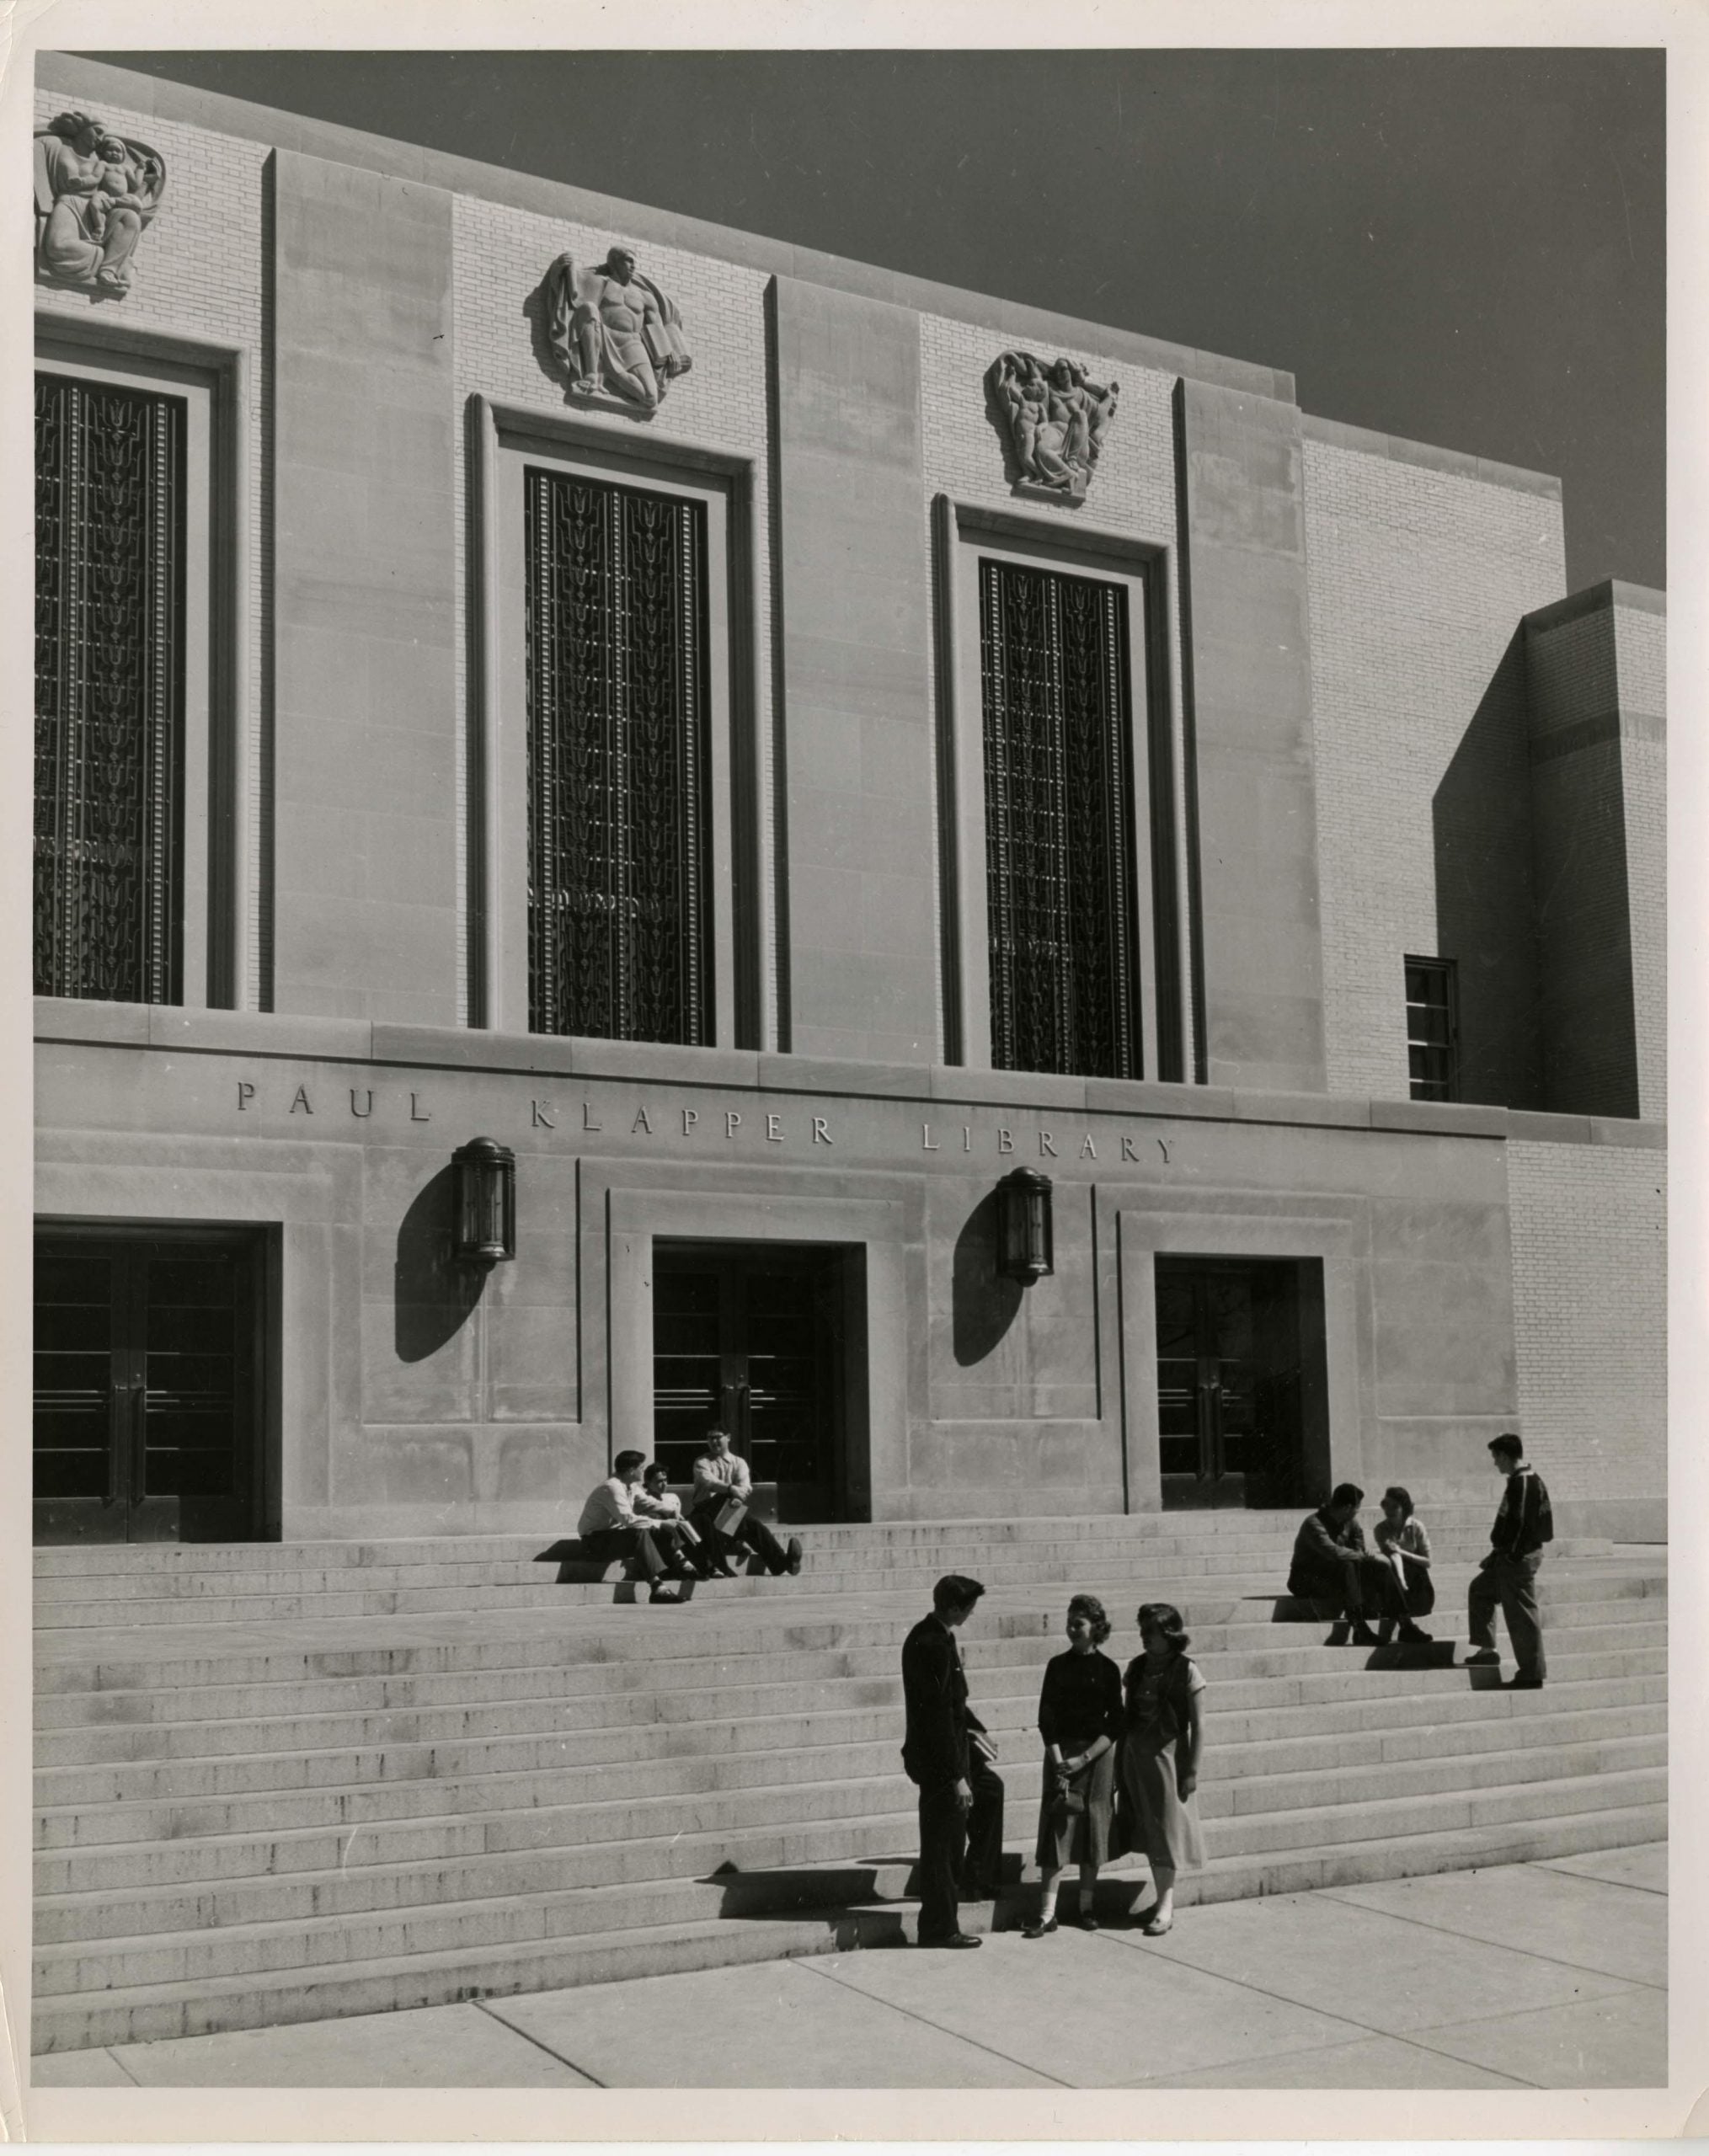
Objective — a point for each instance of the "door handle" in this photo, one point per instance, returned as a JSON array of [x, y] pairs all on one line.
[[139, 1412]]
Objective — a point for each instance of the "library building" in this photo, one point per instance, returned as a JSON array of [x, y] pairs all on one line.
[[638, 828]]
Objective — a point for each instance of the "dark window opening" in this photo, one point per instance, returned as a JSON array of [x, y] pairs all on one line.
[[1059, 787], [1433, 1029], [109, 572], [619, 915]]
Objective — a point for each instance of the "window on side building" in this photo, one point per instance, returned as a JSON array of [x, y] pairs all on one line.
[[133, 822], [1433, 1029]]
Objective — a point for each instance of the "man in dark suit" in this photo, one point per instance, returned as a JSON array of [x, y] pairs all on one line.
[[961, 1796]]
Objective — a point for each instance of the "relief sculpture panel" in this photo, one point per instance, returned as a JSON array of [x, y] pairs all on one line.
[[96, 194], [1054, 418], [612, 332]]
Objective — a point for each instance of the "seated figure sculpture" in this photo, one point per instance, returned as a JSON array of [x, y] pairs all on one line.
[[611, 329]]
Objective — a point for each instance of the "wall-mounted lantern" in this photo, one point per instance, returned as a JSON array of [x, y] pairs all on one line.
[[483, 1202], [1026, 1240]]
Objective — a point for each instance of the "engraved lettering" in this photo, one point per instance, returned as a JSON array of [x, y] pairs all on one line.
[[417, 1112], [246, 1093], [1128, 1152], [1163, 1148], [1088, 1151], [300, 1099], [690, 1118], [543, 1121], [821, 1131], [1047, 1144], [367, 1111], [587, 1121], [1006, 1143], [732, 1123], [967, 1138], [925, 1143], [643, 1122], [774, 1130]]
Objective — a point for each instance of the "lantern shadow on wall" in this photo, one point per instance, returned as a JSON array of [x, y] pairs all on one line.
[[459, 1224]]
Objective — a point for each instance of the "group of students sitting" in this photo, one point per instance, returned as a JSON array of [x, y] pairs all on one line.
[[635, 1516], [1334, 1572]]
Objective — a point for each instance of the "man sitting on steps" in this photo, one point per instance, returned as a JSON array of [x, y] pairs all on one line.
[[610, 1528], [1332, 1565], [722, 1481]]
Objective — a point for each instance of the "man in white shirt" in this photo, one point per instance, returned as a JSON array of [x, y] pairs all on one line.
[[610, 1526], [719, 1476]]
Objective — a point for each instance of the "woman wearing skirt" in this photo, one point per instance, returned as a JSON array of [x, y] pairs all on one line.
[[1160, 1757], [1080, 1718]]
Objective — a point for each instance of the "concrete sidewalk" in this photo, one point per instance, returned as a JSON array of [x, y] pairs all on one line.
[[1536, 1976]]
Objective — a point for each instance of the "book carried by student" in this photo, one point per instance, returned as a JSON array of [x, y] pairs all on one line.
[[729, 1515]]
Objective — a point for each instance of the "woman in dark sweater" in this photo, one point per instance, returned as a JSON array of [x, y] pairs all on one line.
[[1080, 1718]]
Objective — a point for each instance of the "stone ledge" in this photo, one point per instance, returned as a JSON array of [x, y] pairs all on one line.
[[289, 1037]]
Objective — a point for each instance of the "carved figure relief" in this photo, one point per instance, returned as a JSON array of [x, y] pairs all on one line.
[[96, 194], [1055, 419], [611, 330]]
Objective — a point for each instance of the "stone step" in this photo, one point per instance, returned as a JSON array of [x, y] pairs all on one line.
[[662, 1792], [110, 1659], [276, 1568], [233, 1949], [151, 2013], [606, 1693], [1278, 1525], [77, 1916], [273, 1830], [261, 1753], [661, 1718], [81, 1814], [1232, 1808], [282, 1598]]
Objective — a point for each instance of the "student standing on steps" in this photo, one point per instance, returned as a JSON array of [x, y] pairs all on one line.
[[1524, 1523], [1080, 1719], [961, 1795], [1160, 1757]]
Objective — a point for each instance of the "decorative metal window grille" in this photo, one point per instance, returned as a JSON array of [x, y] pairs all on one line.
[[619, 941], [110, 569], [1059, 823], [1433, 1029]]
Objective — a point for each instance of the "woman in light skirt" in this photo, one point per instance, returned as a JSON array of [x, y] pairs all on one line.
[[1160, 1757]]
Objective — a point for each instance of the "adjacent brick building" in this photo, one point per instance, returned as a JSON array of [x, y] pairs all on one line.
[[1255, 838]]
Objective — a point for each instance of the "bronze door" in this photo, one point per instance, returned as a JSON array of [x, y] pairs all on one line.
[[1228, 1382], [753, 1339], [145, 1374]]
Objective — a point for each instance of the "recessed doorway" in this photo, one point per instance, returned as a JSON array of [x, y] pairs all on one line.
[[761, 1338], [1241, 1384], [146, 1374]]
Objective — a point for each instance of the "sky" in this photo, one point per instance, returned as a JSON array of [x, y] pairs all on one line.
[[1465, 248]]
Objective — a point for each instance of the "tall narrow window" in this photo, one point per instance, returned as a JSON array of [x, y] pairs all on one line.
[[618, 781], [1433, 1029], [110, 691], [1059, 823]]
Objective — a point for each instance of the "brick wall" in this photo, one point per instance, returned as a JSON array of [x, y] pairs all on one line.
[[197, 275], [500, 255], [1132, 494], [1590, 1248], [1419, 580], [1640, 639]]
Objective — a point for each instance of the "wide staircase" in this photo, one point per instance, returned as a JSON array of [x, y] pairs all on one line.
[[283, 1782]]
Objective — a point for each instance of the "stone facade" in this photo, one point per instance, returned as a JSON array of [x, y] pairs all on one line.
[[1347, 653]]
